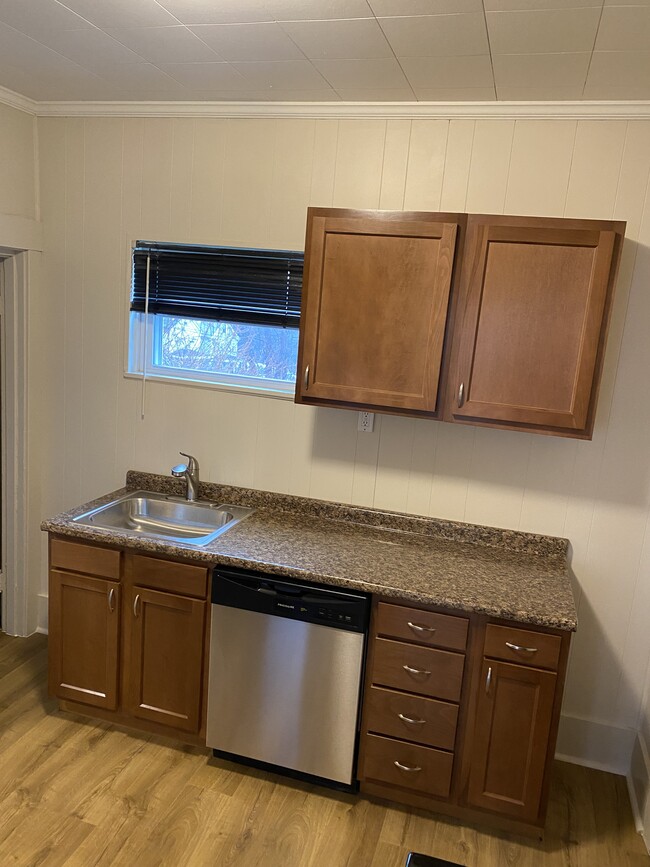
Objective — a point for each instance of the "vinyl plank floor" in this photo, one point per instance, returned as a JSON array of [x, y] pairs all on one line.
[[81, 793]]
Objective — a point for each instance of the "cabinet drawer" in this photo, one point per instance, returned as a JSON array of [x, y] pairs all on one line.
[[88, 559], [183, 578], [537, 649], [425, 627], [411, 717], [422, 670], [431, 769]]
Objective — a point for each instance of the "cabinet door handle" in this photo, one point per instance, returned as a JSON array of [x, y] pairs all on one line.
[[461, 395], [488, 681], [416, 670], [419, 628], [305, 379], [520, 649], [136, 605], [408, 719], [406, 767], [111, 600]]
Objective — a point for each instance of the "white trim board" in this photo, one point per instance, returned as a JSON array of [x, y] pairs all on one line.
[[638, 785], [492, 110]]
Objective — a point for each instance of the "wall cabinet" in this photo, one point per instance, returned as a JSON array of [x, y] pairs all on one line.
[[480, 751], [127, 636], [489, 320]]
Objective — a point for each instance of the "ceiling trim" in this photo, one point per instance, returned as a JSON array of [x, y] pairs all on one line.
[[593, 110], [17, 100]]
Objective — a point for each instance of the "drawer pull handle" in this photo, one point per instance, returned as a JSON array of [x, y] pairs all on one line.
[[406, 767], [419, 628], [111, 600], [488, 681], [408, 719], [136, 606], [416, 670], [520, 649]]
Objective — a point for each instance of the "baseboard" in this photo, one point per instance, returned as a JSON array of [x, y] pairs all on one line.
[[595, 745], [638, 784]]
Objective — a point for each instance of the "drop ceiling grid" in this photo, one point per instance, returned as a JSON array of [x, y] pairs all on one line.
[[326, 50]]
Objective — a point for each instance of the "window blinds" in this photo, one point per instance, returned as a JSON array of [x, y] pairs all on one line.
[[226, 283]]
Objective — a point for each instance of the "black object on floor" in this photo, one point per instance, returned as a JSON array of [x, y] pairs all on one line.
[[416, 860]]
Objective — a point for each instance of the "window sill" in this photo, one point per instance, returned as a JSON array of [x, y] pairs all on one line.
[[215, 386]]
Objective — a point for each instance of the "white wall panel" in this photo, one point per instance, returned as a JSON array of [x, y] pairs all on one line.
[[17, 165], [250, 182]]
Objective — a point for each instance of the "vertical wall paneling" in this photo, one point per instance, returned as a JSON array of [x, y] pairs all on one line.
[[426, 165], [457, 165], [539, 167], [18, 194], [488, 174], [105, 181], [393, 170]]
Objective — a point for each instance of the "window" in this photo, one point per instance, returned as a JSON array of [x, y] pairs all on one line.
[[216, 314]]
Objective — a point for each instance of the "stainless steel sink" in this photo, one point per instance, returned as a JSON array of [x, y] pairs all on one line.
[[157, 516]]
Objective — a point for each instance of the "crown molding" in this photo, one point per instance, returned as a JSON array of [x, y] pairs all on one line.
[[17, 100], [581, 110]]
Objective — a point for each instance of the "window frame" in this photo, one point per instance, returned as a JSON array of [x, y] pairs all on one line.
[[140, 351]]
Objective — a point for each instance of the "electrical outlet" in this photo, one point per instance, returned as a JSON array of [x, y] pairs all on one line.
[[366, 422]]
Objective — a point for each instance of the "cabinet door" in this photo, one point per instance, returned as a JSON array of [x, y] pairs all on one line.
[[165, 665], [84, 639], [374, 311], [532, 320], [513, 723]]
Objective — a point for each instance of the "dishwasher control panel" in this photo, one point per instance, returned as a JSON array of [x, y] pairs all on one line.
[[311, 603]]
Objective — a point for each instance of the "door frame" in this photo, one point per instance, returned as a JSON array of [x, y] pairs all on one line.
[[15, 481]]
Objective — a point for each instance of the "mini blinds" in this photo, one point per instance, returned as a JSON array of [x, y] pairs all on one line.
[[227, 283]]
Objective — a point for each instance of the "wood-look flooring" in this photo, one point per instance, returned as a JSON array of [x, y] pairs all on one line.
[[83, 793]]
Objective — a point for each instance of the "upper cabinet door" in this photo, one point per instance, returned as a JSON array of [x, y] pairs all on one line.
[[374, 310], [531, 322]]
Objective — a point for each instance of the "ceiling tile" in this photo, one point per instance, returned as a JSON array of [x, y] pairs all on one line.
[[249, 41], [627, 70], [325, 94], [541, 93], [424, 7], [638, 90], [437, 35], [627, 2], [144, 76], [251, 11], [323, 40], [280, 75], [38, 18], [174, 44], [372, 94], [378, 73], [206, 76], [539, 70], [624, 28], [547, 31], [474, 71], [504, 5], [121, 13], [455, 94], [91, 48]]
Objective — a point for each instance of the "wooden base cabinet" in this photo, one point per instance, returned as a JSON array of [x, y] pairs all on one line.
[[481, 751], [127, 637]]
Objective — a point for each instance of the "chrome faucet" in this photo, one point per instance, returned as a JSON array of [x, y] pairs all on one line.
[[189, 472]]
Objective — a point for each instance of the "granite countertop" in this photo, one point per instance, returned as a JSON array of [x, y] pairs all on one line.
[[502, 573]]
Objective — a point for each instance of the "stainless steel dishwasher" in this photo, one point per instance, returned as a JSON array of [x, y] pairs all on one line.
[[286, 664]]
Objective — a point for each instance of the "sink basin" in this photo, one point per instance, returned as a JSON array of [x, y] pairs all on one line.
[[157, 516]]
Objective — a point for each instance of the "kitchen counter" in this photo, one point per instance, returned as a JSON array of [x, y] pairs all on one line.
[[501, 573]]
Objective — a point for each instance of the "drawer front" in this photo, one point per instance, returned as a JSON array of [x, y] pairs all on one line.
[[411, 717], [422, 670], [537, 649], [183, 578], [76, 557], [425, 627], [430, 769]]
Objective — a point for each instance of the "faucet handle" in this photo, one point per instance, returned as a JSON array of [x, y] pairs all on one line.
[[192, 464]]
